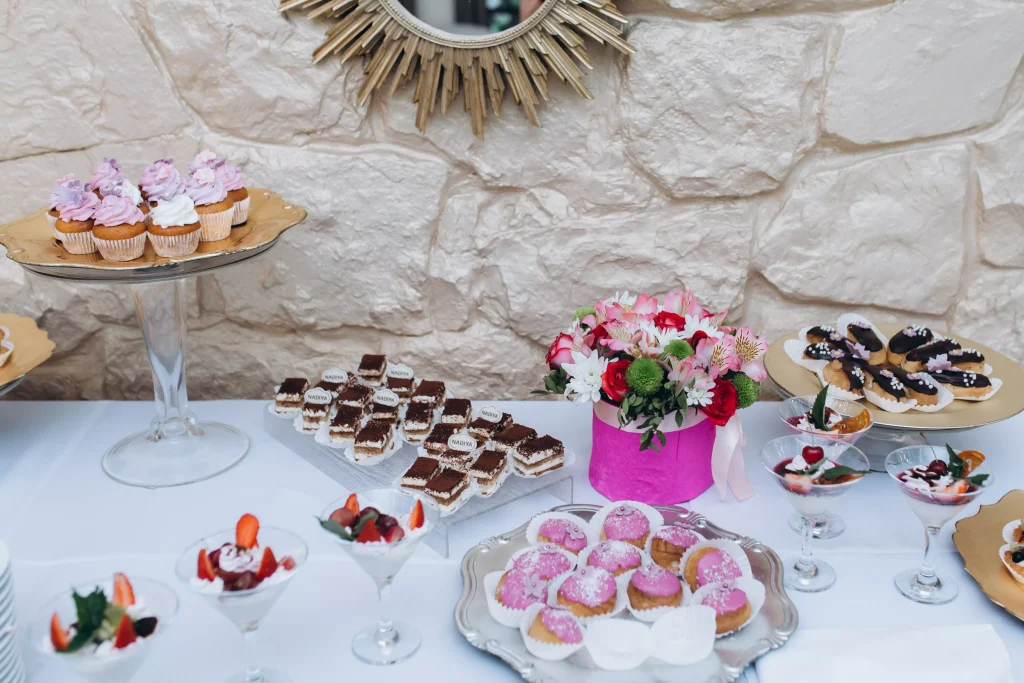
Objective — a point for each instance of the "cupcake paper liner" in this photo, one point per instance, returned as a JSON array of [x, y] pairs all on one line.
[[240, 212], [1009, 529], [215, 226], [57, 234], [533, 529], [887, 404], [728, 547], [620, 599], [652, 615], [624, 576], [572, 558], [1009, 568], [78, 242], [506, 616], [548, 651], [175, 245], [650, 543], [121, 250], [684, 636], [618, 645], [52, 220], [749, 585], [597, 521]]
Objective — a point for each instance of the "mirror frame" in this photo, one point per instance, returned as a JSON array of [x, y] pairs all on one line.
[[399, 48]]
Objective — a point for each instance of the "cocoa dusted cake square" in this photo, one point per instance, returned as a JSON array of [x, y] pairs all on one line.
[[356, 395], [488, 470], [420, 472], [289, 395], [345, 424], [446, 486], [371, 369], [437, 440], [456, 459], [457, 411], [510, 437], [483, 429], [374, 439], [537, 455], [316, 406], [419, 418], [379, 411], [429, 391], [402, 386]]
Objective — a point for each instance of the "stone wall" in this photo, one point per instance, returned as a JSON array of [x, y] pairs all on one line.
[[788, 159]]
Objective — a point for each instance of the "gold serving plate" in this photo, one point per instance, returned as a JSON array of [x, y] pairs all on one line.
[[978, 540], [30, 242], [794, 380], [32, 346]]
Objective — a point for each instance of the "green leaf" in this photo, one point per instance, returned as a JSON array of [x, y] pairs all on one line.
[[839, 471], [336, 529], [679, 418], [661, 436], [539, 392], [818, 409], [956, 463], [90, 610], [977, 479]]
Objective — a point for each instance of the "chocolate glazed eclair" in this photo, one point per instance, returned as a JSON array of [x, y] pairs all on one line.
[[906, 340], [824, 333], [970, 360], [917, 360], [964, 384], [866, 337], [847, 374], [918, 387], [884, 383], [824, 351]]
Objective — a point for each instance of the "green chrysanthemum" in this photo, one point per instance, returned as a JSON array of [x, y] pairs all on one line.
[[645, 376], [679, 348], [746, 390], [583, 311]]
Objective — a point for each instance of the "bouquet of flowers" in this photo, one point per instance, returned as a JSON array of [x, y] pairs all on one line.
[[652, 359]]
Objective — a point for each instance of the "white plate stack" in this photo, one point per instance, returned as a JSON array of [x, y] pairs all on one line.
[[12, 669]]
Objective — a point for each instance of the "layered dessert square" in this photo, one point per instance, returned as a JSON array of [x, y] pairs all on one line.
[[374, 439], [420, 472], [537, 455], [419, 418], [488, 470], [510, 437], [457, 411], [456, 459], [316, 405], [483, 429], [446, 486], [356, 395], [345, 424], [437, 440], [379, 411], [333, 388], [289, 395], [371, 369], [429, 391], [402, 386]]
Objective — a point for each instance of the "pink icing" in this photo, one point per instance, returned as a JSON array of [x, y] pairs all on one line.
[[614, 556], [107, 175], [626, 523], [230, 175], [677, 536], [724, 599], [204, 188], [63, 189], [588, 586], [520, 590], [653, 580], [562, 623], [114, 210], [716, 567], [546, 561], [80, 207], [161, 181], [205, 159], [565, 533]]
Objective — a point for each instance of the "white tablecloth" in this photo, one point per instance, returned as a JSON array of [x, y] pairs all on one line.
[[65, 521]]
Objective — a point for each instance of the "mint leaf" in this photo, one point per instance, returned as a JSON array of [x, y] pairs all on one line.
[[336, 529], [370, 518], [90, 610], [839, 471], [818, 409], [956, 463], [977, 479]]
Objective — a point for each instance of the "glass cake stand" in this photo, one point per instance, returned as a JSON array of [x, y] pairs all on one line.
[[177, 448]]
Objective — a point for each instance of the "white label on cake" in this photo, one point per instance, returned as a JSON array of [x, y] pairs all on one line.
[[400, 371], [334, 375], [490, 413], [317, 395], [386, 397], [462, 442]]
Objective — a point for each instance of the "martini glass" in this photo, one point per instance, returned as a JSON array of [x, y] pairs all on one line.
[[388, 641], [159, 601], [934, 510], [791, 411], [246, 609], [812, 501]]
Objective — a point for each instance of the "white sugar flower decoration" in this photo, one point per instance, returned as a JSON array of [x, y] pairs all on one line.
[[585, 374], [705, 325]]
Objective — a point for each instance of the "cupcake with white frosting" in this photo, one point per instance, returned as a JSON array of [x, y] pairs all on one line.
[[174, 227]]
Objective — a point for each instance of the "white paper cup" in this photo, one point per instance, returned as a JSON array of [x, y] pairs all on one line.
[[215, 226], [1009, 567], [1008, 530], [121, 250], [888, 404], [619, 645], [77, 242], [685, 636], [240, 212], [175, 245], [551, 652]]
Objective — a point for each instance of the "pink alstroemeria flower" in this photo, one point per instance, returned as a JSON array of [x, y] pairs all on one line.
[[717, 355], [646, 307], [622, 336], [749, 349]]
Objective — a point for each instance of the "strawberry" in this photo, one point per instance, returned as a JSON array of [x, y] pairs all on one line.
[[957, 487], [369, 534], [125, 633], [394, 534], [343, 516], [58, 636], [416, 516], [268, 565], [205, 572], [798, 483], [124, 596], [247, 529], [352, 503], [288, 563]]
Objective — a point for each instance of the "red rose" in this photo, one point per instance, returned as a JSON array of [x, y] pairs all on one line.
[[669, 321], [560, 351], [723, 404], [697, 336], [599, 333], [613, 381]]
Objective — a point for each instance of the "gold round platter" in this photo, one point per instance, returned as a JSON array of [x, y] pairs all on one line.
[[793, 380], [32, 346], [978, 539], [30, 242]]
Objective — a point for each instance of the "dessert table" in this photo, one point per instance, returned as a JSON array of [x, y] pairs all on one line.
[[65, 521]]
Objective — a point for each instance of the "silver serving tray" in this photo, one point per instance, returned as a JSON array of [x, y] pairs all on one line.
[[770, 629]]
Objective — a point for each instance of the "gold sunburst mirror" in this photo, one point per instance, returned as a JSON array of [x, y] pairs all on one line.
[[479, 47]]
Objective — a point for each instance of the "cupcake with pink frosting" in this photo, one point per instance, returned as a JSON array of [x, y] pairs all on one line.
[[563, 532], [731, 604], [231, 177], [58, 194], [668, 544], [652, 587], [589, 592], [551, 633], [74, 225], [106, 176], [615, 557], [119, 229], [211, 203], [626, 522], [132, 193], [205, 159], [160, 181], [547, 561]]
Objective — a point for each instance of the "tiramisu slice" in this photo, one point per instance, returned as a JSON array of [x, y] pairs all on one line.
[[457, 411], [374, 439], [379, 411], [419, 418], [482, 428], [537, 455], [510, 437], [371, 369], [316, 404], [429, 391], [437, 441], [356, 395], [488, 470], [289, 395], [345, 424], [402, 386], [333, 380], [417, 476], [446, 487], [456, 459]]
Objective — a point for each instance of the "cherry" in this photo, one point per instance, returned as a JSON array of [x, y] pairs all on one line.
[[813, 454], [343, 516], [938, 467], [385, 522]]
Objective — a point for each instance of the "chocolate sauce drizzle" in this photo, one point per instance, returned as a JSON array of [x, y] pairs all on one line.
[[935, 348], [866, 337], [909, 338]]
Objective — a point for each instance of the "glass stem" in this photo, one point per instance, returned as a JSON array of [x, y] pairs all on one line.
[[253, 674], [385, 635], [926, 574], [805, 564]]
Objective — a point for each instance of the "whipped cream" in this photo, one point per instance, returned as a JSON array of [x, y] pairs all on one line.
[[180, 210], [236, 560]]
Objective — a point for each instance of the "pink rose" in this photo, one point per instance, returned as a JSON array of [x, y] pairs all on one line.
[[560, 351]]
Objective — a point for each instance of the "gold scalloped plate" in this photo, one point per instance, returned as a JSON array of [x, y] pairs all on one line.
[[32, 346], [978, 539], [30, 242], [794, 380]]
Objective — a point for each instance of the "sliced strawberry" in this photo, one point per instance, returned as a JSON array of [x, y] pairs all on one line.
[[369, 534], [416, 516], [205, 572], [288, 563], [58, 636], [394, 534], [268, 565], [246, 530], [125, 633], [957, 487], [352, 503], [124, 596]]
